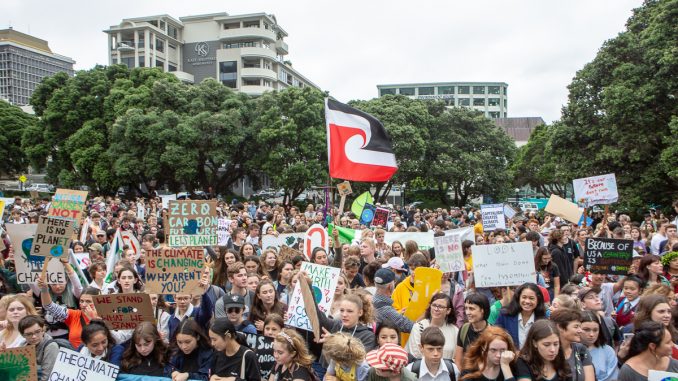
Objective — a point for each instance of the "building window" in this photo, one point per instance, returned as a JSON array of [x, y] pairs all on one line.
[[251, 24], [114, 61], [494, 114], [478, 89], [160, 45], [171, 68], [383, 92], [237, 45], [493, 102], [162, 25], [172, 31], [406, 90], [142, 61], [446, 90], [493, 90], [505, 90], [251, 82], [159, 63], [128, 61], [479, 101], [228, 73], [505, 103], [142, 41], [463, 102], [426, 91], [463, 90]]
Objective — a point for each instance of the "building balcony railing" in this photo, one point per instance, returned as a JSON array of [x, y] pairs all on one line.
[[258, 73], [239, 33], [257, 52], [281, 47]]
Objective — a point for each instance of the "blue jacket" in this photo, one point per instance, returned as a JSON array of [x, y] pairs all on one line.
[[114, 356], [510, 324], [202, 315], [176, 363]]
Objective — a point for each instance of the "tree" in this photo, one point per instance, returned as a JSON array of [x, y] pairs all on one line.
[[13, 123], [469, 155]]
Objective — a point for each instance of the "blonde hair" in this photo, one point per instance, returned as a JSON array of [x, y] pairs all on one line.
[[344, 349], [295, 344], [658, 289], [359, 297], [28, 305], [566, 301]]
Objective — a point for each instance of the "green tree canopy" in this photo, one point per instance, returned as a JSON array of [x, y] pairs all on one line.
[[13, 123]]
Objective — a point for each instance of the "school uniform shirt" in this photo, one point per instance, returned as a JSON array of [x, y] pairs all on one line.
[[524, 328], [626, 311], [230, 366], [443, 374], [297, 373]]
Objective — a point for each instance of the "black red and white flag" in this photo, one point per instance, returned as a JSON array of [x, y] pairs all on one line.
[[358, 147]]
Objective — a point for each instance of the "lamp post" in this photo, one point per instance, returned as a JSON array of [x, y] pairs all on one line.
[[517, 197]]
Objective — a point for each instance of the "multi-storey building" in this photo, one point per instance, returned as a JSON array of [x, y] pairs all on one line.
[[24, 61], [244, 52], [487, 97]]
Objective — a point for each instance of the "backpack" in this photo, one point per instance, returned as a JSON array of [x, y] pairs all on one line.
[[416, 367], [463, 334]]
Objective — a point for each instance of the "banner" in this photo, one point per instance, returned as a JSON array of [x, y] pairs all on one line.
[[352, 237], [68, 204], [515, 260], [18, 364], [192, 223], [29, 267], [53, 237], [72, 366], [493, 217], [223, 235], [380, 217], [427, 281], [292, 240], [263, 347], [449, 255], [124, 311], [113, 255], [316, 236], [324, 280], [608, 256], [165, 199], [596, 190], [129, 239], [174, 270], [562, 208]]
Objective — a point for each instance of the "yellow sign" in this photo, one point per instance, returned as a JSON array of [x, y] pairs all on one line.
[[427, 281], [23, 179]]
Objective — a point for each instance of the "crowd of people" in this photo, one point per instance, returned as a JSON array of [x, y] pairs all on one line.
[[568, 324]]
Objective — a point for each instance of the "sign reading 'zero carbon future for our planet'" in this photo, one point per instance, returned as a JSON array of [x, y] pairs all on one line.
[[174, 270], [506, 264], [608, 256], [193, 223]]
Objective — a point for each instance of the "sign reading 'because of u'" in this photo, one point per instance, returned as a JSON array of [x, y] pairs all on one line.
[[175, 270], [193, 223], [608, 256]]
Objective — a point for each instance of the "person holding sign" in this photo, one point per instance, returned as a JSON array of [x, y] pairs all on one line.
[[233, 359], [185, 309], [191, 357], [650, 349], [293, 362], [99, 343], [18, 307]]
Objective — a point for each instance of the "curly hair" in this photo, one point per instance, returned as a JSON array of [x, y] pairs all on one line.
[[344, 349], [476, 357], [360, 298]]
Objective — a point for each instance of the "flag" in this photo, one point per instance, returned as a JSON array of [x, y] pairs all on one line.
[[113, 255], [346, 235], [130, 240], [359, 203], [358, 147]]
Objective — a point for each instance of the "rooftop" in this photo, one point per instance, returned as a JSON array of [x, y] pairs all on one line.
[[11, 35]]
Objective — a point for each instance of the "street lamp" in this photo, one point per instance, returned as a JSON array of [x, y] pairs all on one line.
[[517, 197]]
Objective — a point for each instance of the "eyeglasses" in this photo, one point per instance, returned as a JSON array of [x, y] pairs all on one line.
[[233, 310], [439, 307], [32, 334]]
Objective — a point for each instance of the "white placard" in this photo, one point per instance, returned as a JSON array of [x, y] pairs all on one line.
[[493, 217], [293, 240], [166, 199], [596, 190], [316, 236], [658, 375], [72, 365], [29, 267], [449, 255], [509, 212], [506, 264], [324, 279], [222, 231]]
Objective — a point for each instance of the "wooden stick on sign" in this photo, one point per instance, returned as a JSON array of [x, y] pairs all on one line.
[[309, 305], [44, 268]]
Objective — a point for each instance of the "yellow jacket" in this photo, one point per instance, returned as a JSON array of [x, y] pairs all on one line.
[[402, 294]]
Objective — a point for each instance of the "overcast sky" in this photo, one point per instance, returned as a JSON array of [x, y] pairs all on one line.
[[348, 47]]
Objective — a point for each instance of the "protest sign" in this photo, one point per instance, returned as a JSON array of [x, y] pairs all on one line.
[[380, 217], [608, 256], [423, 239], [53, 237], [129, 239], [18, 364], [124, 311], [316, 236], [71, 365], [324, 280], [493, 217], [34, 195], [222, 231], [166, 198], [292, 240], [2, 209], [28, 266], [309, 305], [427, 281], [367, 215], [175, 270], [344, 188], [68, 204], [596, 190], [658, 375], [359, 203], [263, 347], [563, 208], [509, 212], [83, 260], [192, 223], [515, 260], [449, 255], [287, 253]]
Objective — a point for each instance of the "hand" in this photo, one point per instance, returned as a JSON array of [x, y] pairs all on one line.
[[259, 324], [176, 376], [624, 349], [507, 357], [3, 324], [90, 312], [323, 336], [42, 285]]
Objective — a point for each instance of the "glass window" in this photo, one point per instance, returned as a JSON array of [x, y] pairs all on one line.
[[479, 101], [172, 31], [383, 92], [160, 45], [493, 102], [251, 82], [159, 63], [494, 114], [493, 90], [505, 90], [141, 40], [407, 90], [505, 103], [172, 67], [128, 61], [478, 89], [463, 90], [464, 102], [142, 61], [446, 90], [426, 91], [228, 73]]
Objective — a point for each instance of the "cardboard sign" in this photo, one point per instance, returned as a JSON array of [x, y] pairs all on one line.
[[427, 281], [380, 217], [344, 188], [292, 240], [367, 215], [316, 236], [309, 304], [18, 364], [564, 209], [596, 190], [449, 255], [287, 254], [71, 365], [608, 256], [658, 375], [193, 223], [28, 266], [223, 235], [324, 279], [175, 270], [34, 195], [263, 347], [506, 264], [124, 311], [509, 212], [53, 237], [493, 217], [68, 204]]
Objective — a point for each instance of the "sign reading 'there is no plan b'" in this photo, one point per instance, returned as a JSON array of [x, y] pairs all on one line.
[[506, 264], [193, 223]]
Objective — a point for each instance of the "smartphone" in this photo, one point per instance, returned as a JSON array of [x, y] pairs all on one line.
[[628, 336]]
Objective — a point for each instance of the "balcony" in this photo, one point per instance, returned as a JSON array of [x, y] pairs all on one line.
[[239, 33], [183, 76], [281, 47], [254, 90], [257, 52], [257, 72]]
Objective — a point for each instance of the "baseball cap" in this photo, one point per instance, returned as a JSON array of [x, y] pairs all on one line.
[[389, 357], [96, 246], [581, 294], [384, 276], [636, 254], [395, 263], [234, 300]]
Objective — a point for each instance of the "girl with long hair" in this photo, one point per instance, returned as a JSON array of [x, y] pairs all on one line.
[[18, 307], [440, 313], [190, 354], [253, 265], [542, 356], [650, 349], [146, 353], [269, 262], [265, 302], [524, 309], [490, 357], [273, 325], [233, 358], [549, 271], [569, 326], [284, 278], [293, 361], [127, 281], [356, 315], [226, 258], [651, 270], [602, 355], [339, 293], [100, 344]]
